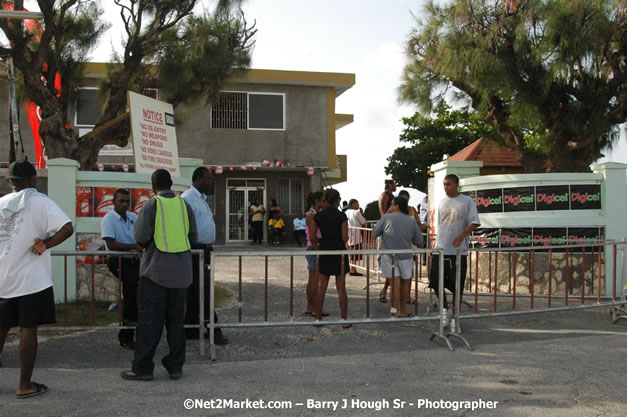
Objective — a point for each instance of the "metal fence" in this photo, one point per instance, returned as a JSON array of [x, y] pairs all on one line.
[[368, 255], [554, 301], [102, 256], [510, 292]]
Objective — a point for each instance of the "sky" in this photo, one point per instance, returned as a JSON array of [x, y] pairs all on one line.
[[363, 37]]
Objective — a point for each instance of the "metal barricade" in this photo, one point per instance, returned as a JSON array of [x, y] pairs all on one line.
[[594, 250], [120, 301], [291, 321]]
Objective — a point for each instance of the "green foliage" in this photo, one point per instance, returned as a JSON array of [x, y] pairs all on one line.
[[371, 212], [554, 67], [188, 57], [432, 140]]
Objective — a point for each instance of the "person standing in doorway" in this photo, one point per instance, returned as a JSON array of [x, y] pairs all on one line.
[[257, 213]]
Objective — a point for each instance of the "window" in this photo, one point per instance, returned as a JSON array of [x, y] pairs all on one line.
[[249, 111], [90, 104], [151, 92], [89, 107], [290, 195], [230, 111]]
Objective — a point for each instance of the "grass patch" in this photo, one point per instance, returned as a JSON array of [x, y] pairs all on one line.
[[79, 313]]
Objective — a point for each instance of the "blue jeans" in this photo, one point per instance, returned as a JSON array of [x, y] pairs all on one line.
[[158, 306]]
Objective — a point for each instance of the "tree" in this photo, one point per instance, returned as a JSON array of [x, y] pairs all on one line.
[[432, 140], [166, 45], [553, 67]]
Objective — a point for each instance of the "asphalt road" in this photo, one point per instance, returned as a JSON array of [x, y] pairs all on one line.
[[555, 364]]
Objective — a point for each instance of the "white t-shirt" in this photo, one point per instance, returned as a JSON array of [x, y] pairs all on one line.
[[21, 271], [454, 216], [355, 219]]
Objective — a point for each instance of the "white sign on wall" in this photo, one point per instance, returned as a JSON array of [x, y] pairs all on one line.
[[154, 135]]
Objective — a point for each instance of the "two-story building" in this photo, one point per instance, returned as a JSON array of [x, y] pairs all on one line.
[[271, 135]]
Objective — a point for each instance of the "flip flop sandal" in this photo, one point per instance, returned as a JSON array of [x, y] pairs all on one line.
[[382, 298], [40, 389]]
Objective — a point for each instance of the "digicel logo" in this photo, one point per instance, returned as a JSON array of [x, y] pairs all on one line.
[[485, 202], [584, 197], [514, 201], [551, 198]]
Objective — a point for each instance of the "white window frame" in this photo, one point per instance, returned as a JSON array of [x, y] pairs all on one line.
[[248, 93]]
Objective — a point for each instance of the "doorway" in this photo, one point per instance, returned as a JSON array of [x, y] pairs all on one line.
[[241, 193]]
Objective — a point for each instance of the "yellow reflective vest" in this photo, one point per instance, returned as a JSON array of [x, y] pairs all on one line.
[[171, 225]]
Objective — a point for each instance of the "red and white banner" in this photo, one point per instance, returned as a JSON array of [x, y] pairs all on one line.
[[219, 169], [266, 163], [310, 171]]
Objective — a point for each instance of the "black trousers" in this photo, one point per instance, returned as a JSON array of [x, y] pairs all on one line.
[[159, 306], [298, 234], [192, 310], [257, 231], [130, 279]]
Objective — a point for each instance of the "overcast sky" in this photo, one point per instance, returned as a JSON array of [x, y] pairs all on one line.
[[364, 37]]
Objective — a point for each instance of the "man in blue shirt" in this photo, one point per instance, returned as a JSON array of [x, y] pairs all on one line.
[[117, 232], [196, 197], [299, 228]]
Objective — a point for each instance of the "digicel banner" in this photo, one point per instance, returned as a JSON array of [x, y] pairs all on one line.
[[154, 135]]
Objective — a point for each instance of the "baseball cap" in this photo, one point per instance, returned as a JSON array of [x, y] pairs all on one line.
[[21, 169]]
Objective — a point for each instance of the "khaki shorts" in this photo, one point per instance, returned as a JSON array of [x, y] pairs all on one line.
[[403, 268]]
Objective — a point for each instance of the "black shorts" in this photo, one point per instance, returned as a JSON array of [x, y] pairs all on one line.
[[449, 272], [28, 311]]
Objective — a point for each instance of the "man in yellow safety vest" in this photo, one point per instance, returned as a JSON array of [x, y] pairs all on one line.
[[166, 228]]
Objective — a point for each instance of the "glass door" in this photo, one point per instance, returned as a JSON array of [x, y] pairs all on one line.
[[240, 195]]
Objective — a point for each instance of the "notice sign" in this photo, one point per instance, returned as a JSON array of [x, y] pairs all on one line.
[[154, 135]]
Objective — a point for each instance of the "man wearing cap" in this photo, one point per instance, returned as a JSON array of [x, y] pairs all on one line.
[[166, 229], [30, 224]]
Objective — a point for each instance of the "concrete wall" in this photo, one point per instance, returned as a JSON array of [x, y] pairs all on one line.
[[304, 142], [611, 176]]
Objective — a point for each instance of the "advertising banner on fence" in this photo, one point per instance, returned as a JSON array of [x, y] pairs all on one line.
[[537, 198], [154, 135]]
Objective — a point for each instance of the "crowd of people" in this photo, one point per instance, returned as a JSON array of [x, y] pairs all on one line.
[[400, 227], [160, 275]]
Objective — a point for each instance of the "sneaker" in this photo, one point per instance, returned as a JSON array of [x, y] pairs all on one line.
[[447, 316], [457, 330]]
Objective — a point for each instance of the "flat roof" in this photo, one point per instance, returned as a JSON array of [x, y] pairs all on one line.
[[339, 80]]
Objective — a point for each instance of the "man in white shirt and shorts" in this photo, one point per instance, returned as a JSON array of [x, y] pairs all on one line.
[[30, 224], [457, 218]]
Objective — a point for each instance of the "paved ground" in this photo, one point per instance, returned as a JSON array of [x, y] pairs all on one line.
[[543, 365]]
